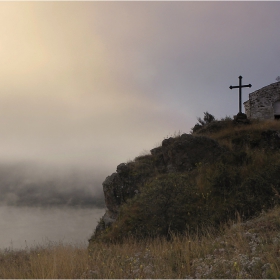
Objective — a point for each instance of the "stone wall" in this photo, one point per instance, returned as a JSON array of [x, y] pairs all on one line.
[[247, 108], [262, 102]]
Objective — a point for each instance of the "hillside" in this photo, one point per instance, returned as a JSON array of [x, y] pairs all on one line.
[[194, 181]]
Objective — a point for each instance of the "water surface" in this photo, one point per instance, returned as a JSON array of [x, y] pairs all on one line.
[[23, 227]]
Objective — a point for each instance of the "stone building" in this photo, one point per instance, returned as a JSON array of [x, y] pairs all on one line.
[[264, 103]]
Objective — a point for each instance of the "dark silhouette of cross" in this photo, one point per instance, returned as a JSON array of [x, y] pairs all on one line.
[[240, 87]]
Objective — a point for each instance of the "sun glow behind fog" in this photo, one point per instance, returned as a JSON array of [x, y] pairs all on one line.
[[61, 101]]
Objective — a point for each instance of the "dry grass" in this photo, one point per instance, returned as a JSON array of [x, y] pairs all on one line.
[[231, 129], [255, 126], [243, 250], [44, 262]]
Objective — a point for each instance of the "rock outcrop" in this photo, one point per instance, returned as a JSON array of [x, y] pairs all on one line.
[[241, 118], [185, 152], [177, 154]]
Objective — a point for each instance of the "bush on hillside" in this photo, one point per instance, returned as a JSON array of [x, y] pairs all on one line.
[[208, 118]]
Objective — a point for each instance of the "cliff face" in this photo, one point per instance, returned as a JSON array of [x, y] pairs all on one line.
[[192, 181], [178, 154]]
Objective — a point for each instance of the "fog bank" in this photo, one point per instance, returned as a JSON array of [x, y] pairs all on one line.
[[42, 203], [33, 185]]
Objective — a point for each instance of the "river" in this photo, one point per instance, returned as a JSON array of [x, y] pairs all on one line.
[[26, 227]]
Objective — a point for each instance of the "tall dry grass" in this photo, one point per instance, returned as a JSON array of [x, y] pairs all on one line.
[[254, 126], [241, 250], [51, 261]]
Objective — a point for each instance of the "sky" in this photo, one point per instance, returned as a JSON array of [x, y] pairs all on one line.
[[88, 85]]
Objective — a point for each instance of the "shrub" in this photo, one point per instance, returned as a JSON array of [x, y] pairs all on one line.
[[208, 118]]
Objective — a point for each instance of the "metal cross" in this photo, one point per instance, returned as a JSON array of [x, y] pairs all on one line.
[[240, 86]]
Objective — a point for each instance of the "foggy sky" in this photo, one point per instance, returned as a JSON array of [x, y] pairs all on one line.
[[89, 85]]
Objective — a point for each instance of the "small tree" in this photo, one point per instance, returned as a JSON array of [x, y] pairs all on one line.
[[208, 118], [278, 79]]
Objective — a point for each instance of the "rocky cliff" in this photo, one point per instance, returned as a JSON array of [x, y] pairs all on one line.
[[178, 154], [194, 180]]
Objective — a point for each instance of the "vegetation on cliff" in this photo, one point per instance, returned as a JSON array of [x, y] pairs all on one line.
[[193, 181]]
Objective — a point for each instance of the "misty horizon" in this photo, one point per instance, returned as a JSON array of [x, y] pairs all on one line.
[[40, 203], [34, 185]]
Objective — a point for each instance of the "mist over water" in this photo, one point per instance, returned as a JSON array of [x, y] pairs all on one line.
[[27, 184], [41, 204]]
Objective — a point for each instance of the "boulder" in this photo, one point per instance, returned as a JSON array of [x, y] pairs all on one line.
[[241, 118]]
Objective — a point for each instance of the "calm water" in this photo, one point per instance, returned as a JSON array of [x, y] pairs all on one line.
[[28, 226]]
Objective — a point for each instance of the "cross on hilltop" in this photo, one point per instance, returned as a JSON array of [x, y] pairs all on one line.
[[240, 87]]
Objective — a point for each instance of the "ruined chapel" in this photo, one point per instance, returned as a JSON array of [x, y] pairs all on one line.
[[264, 103]]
